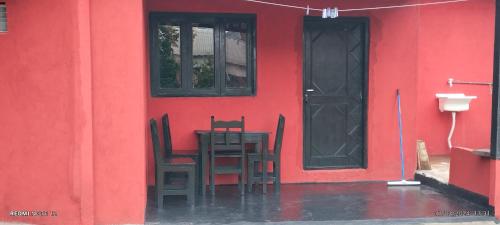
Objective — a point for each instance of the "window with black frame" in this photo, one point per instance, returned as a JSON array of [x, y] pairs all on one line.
[[202, 54]]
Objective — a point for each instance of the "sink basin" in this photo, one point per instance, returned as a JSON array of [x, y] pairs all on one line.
[[454, 102]]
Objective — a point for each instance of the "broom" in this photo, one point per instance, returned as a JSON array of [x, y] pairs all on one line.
[[401, 182]]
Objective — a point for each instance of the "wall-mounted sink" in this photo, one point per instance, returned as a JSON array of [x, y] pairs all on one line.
[[454, 102]]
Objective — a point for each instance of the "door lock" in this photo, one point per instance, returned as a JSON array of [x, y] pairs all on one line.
[[306, 95]]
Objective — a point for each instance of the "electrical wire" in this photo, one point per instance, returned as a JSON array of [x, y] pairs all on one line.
[[403, 6], [358, 9]]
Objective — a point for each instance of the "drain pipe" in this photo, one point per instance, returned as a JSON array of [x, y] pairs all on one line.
[[453, 117]]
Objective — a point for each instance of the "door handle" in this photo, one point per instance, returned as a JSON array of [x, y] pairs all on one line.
[[306, 95]]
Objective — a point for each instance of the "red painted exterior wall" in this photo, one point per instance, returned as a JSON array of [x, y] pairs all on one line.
[[75, 100], [469, 171], [455, 41], [393, 55], [73, 112], [119, 102], [494, 193], [38, 135]]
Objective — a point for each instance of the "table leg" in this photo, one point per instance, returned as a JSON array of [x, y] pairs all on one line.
[[203, 148], [265, 147], [257, 144]]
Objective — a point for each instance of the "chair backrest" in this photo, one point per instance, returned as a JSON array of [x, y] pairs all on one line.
[[167, 138], [156, 141], [279, 135], [228, 136]]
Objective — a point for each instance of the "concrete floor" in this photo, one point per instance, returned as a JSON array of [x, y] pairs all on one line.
[[341, 203], [440, 168]]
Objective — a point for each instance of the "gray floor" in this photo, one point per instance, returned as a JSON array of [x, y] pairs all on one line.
[[341, 203], [440, 168]]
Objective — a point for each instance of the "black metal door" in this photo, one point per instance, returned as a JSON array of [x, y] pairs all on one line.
[[335, 81]]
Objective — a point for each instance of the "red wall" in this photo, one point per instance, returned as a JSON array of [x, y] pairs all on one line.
[[393, 55], [469, 171], [37, 117], [72, 123], [494, 194], [119, 89], [73, 85], [455, 41]]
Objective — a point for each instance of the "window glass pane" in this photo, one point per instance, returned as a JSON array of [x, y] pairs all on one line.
[[170, 55], [203, 56], [236, 54], [3, 17]]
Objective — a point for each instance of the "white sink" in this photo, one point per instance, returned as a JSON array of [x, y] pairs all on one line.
[[454, 102]]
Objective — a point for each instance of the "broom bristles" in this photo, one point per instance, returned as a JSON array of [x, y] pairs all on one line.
[[403, 183]]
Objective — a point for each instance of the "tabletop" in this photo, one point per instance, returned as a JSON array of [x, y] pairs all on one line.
[[219, 131]]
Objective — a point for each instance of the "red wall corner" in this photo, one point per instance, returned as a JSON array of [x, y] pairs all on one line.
[[118, 68]]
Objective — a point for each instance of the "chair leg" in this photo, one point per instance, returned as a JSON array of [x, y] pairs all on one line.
[[264, 176], [239, 182], [191, 186], [250, 169], [160, 201], [212, 172], [196, 175], [159, 187], [277, 175], [242, 178]]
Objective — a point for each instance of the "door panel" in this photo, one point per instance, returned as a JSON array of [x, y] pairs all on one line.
[[335, 62]]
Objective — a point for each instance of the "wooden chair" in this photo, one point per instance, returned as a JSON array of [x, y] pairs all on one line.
[[227, 144], [254, 176], [169, 165], [170, 153]]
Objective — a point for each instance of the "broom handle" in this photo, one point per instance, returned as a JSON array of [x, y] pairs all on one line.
[[400, 125]]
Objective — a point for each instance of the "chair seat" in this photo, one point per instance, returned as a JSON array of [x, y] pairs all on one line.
[[180, 161], [175, 185], [270, 175], [185, 153], [227, 148], [228, 153], [227, 169]]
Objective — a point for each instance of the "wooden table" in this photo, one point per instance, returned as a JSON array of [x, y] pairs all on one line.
[[259, 138]]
